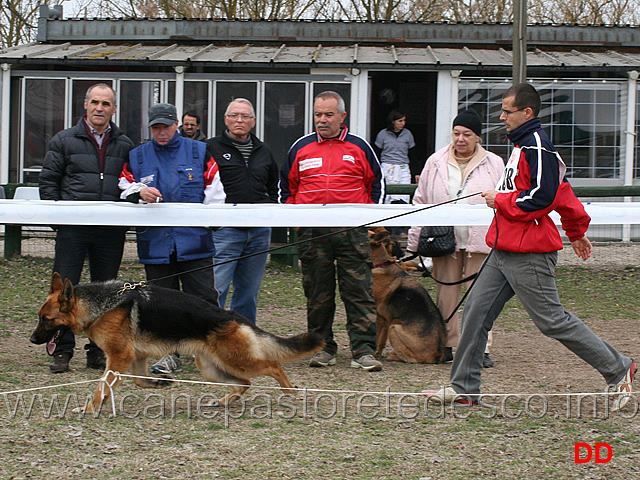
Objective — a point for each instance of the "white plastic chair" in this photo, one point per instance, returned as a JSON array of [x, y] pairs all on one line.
[[27, 193]]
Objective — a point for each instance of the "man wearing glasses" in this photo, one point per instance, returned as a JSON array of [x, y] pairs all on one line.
[[525, 254], [191, 127], [249, 174]]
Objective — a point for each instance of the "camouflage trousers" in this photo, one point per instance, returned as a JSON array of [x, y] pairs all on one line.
[[348, 254]]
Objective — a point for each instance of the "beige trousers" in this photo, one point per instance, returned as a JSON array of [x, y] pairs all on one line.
[[451, 269]]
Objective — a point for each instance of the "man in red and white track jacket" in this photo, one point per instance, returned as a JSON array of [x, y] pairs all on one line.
[[342, 169], [525, 255], [332, 165]]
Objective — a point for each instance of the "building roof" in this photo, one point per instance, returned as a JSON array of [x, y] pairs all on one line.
[[291, 55], [160, 43]]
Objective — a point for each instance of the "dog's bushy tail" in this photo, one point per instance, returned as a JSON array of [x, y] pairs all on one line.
[[288, 349]]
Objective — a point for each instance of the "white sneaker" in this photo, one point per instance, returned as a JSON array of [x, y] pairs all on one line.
[[170, 363], [367, 362], [448, 395], [322, 359], [624, 388]]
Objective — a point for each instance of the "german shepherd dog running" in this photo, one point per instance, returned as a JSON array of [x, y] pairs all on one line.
[[131, 324], [406, 314]]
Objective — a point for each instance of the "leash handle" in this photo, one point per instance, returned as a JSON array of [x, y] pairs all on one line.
[[299, 242], [470, 277]]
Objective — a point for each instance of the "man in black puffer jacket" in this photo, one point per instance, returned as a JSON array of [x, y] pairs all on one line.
[[83, 163]]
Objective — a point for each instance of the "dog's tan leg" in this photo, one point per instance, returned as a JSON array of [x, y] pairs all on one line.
[[212, 373], [236, 393], [403, 344], [103, 392], [383, 333], [275, 370], [412, 348], [139, 368]]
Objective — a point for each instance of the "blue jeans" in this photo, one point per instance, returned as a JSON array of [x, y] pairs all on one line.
[[246, 274], [530, 276]]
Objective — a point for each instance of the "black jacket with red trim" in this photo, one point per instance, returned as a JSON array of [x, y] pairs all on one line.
[[252, 182]]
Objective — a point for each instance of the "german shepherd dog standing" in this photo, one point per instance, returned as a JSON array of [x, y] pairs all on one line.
[[131, 324], [406, 314]]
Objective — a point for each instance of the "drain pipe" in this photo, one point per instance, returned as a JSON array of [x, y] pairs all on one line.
[[630, 142], [179, 91], [5, 104]]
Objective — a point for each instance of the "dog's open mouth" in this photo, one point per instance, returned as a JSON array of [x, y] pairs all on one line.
[[53, 343]]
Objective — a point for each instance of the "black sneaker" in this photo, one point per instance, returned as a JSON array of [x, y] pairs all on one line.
[[60, 362], [95, 359], [487, 362], [448, 355]]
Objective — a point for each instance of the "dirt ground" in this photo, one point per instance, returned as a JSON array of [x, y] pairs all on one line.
[[347, 424]]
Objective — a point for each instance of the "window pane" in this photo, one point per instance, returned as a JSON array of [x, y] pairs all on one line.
[[283, 117], [227, 91], [196, 100], [136, 97], [171, 92], [79, 91], [582, 119], [43, 118]]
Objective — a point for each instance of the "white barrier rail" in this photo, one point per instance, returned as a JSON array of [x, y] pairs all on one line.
[[45, 212]]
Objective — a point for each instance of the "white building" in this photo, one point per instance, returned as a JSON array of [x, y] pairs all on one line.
[[587, 76]]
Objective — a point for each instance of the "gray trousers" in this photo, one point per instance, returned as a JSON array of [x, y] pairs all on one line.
[[530, 276]]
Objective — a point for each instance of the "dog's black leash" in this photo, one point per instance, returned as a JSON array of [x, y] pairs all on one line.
[[470, 277], [300, 242]]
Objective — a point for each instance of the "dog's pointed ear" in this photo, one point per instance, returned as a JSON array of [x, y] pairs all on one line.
[[380, 235], [66, 297], [56, 282]]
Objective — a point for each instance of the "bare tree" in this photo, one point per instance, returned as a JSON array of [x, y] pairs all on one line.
[[585, 12], [19, 21], [18, 18], [372, 10], [277, 9], [427, 10], [478, 11]]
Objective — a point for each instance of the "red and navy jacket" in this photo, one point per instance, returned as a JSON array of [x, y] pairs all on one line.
[[532, 185], [336, 170]]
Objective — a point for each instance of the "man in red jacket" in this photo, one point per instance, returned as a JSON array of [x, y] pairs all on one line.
[[332, 165], [524, 258]]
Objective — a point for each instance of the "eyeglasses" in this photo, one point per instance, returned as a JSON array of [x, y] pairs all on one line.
[[509, 112], [236, 116]]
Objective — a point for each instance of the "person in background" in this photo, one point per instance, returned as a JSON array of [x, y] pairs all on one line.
[[83, 163], [525, 253], [332, 165], [191, 127], [395, 148], [172, 168], [249, 174], [460, 168]]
